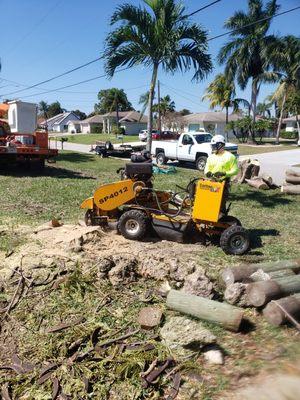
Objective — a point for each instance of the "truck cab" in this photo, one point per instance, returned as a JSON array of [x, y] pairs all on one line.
[[190, 147]]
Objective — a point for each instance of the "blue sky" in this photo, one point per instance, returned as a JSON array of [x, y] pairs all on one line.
[[40, 39]]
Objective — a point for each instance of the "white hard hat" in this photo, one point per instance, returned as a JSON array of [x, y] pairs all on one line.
[[218, 139]]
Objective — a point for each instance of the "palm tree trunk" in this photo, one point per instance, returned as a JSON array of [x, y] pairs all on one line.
[[150, 106], [117, 114], [254, 93], [226, 120], [280, 117]]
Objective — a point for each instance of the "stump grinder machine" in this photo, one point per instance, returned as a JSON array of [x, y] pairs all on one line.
[[192, 214]]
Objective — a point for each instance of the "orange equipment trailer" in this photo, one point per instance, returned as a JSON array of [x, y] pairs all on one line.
[[24, 148]]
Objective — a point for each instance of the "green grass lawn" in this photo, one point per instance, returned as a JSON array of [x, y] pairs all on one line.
[[273, 218], [91, 138], [245, 149]]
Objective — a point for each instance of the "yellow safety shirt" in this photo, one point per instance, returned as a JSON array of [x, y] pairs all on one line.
[[225, 162]]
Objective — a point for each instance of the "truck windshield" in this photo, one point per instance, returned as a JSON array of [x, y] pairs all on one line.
[[203, 138]]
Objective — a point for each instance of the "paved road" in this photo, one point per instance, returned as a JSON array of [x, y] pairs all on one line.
[[276, 163], [273, 164]]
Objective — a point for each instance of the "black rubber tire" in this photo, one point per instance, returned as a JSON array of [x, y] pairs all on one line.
[[133, 225], [235, 240], [161, 158], [200, 163], [228, 219]]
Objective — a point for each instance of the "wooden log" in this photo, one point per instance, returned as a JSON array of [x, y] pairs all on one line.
[[268, 179], [242, 272], [257, 183], [275, 313], [294, 180], [223, 314], [290, 189], [261, 275], [292, 172], [260, 293]]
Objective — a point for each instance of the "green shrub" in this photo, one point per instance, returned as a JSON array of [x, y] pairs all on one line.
[[96, 129], [288, 135], [117, 131]]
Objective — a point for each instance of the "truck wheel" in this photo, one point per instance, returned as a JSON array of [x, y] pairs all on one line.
[[133, 225], [161, 158], [201, 162], [235, 240]]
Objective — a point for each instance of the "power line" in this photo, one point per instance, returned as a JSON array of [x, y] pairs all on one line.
[[184, 97], [54, 77], [202, 8], [74, 84], [253, 23]]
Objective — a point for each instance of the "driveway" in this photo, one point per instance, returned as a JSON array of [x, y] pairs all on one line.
[[275, 164]]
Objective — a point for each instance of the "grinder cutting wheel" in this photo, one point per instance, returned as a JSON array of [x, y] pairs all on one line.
[[139, 210]]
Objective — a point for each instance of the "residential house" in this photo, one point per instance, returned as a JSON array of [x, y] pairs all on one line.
[[74, 126], [291, 123], [59, 123], [92, 124], [213, 122], [131, 121]]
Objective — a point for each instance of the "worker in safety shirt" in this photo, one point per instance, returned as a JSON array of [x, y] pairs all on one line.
[[221, 164]]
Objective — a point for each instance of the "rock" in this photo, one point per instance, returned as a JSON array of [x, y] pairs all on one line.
[[164, 289], [55, 223], [124, 270], [235, 293], [149, 317], [105, 264], [198, 284], [185, 336], [213, 355]]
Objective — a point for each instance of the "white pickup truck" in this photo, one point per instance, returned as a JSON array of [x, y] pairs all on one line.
[[190, 147]]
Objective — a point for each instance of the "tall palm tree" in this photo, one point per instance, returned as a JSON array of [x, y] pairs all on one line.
[[221, 93], [264, 109], [285, 56], [160, 35], [143, 101], [245, 55]]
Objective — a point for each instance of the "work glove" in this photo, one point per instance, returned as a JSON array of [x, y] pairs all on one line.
[[220, 174], [208, 174]]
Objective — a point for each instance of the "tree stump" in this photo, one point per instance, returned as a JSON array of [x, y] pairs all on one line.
[[290, 189]]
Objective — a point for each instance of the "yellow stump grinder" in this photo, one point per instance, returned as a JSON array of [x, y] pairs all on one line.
[[139, 210]]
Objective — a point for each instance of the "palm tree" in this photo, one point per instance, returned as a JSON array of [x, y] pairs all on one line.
[[157, 36], [264, 109], [221, 92], [285, 56], [144, 98], [246, 54]]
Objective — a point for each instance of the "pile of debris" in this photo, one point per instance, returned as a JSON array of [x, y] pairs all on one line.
[[292, 179], [249, 173], [273, 285]]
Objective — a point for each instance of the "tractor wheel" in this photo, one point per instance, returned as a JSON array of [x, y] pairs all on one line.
[[201, 162], [235, 240], [161, 158], [228, 219], [133, 225]]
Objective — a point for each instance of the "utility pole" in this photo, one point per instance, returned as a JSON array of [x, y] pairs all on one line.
[[159, 114]]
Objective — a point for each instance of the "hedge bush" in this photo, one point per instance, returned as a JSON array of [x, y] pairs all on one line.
[[96, 129], [288, 135]]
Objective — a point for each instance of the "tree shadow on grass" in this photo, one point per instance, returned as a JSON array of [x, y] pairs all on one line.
[[48, 171], [270, 200], [76, 157], [256, 235]]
